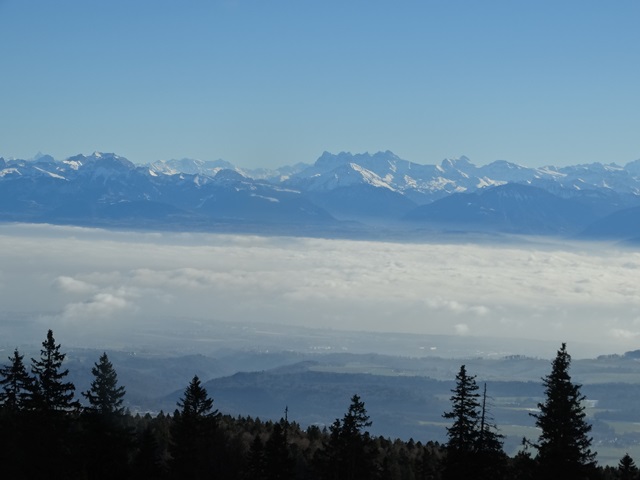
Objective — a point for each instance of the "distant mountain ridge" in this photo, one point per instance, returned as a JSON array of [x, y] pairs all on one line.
[[381, 188]]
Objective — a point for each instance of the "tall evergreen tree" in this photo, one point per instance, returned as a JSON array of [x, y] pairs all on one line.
[[16, 440], [17, 384], [194, 434], [627, 469], [465, 413], [105, 396], [50, 423], [196, 402], [463, 434], [52, 393], [278, 463], [564, 443], [474, 448], [108, 437], [349, 453]]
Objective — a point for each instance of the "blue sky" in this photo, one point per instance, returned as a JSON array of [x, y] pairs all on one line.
[[269, 83]]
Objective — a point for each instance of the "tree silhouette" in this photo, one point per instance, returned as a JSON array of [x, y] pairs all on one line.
[[463, 434], [17, 384], [349, 452], [627, 469], [105, 396], [196, 401], [51, 392], [491, 458], [564, 444], [194, 436], [278, 463], [109, 439], [16, 439], [50, 423], [474, 447]]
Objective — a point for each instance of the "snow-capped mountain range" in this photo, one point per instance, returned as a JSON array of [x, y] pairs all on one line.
[[337, 191]]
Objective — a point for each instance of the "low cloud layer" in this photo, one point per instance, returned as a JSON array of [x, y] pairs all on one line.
[[92, 282]]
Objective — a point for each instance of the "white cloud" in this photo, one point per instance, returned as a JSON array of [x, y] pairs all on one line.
[[559, 292], [99, 307], [462, 329], [71, 285], [624, 334]]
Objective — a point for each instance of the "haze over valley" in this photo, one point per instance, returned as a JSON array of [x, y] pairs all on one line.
[[101, 286]]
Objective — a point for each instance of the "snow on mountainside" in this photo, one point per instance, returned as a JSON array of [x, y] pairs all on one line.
[[105, 188], [420, 183], [342, 176], [460, 175], [191, 166], [211, 168]]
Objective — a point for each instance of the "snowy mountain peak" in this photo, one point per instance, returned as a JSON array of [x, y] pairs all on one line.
[[369, 177], [329, 160], [505, 164], [348, 186], [461, 163], [228, 175], [42, 157], [100, 157], [633, 168]]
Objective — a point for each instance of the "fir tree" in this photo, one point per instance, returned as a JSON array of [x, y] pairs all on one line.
[[463, 434], [193, 433], [50, 424], [108, 436], [627, 469], [51, 392], [17, 439], [564, 444], [278, 462], [105, 396], [196, 401], [474, 448], [17, 384], [349, 452]]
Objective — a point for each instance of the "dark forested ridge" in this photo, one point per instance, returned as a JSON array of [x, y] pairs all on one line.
[[48, 428]]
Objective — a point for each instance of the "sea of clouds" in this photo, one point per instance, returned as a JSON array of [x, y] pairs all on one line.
[[92, 283]]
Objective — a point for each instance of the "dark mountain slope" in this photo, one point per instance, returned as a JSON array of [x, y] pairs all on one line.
[[513, 208], [620, 225]]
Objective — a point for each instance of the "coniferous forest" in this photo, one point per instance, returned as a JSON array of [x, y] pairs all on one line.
[[48, 430]]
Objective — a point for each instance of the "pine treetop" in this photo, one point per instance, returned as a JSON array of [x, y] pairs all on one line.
[[564, 443], [104, 394], [196, 401], [51, 392]]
